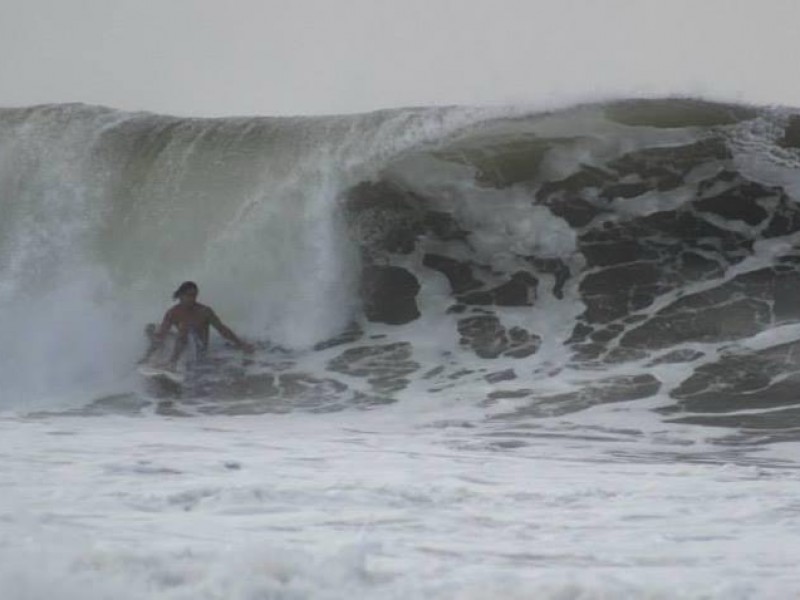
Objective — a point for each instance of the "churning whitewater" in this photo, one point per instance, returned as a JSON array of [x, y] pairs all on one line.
[[500, 353]]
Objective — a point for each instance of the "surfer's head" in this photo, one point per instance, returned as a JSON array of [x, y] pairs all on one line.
[[186, 292]]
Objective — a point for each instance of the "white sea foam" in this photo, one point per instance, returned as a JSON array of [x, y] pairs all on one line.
[[371, 506]]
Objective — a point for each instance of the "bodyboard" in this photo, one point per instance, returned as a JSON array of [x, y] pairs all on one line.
[[152, 372]]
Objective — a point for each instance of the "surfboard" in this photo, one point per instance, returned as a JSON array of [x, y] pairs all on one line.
[[152, 372]]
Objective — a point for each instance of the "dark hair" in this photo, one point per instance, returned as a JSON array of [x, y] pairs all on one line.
[[186, 286]]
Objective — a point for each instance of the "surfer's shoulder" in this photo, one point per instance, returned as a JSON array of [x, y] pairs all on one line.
[[206, 310]]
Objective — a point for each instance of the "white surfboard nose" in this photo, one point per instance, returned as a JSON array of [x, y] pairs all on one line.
[[150, 371]]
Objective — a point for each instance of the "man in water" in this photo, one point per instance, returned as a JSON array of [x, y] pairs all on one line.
[[192, 320]]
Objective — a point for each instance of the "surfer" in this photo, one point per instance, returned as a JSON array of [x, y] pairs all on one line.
[[191, 320]]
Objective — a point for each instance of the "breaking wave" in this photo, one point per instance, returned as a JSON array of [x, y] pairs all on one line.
[[531, 263]]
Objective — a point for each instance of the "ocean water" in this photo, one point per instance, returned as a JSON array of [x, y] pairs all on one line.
[[505, 353]]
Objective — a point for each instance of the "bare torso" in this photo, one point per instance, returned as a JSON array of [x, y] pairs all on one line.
[[194, 320]]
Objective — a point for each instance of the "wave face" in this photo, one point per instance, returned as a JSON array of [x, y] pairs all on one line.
[[528, 263]]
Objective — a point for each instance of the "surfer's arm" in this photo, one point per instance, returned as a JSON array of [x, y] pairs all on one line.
[[180, 345], [157, 335], [226, 332]]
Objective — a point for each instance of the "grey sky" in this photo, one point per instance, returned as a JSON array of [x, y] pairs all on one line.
[[218, 57]]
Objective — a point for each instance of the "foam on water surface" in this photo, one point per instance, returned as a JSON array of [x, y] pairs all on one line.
[[371, 506]]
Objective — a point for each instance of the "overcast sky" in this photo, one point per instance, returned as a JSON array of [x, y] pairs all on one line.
[[224, 57]]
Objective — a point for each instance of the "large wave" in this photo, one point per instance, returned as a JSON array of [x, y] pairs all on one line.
[[532, 262]]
